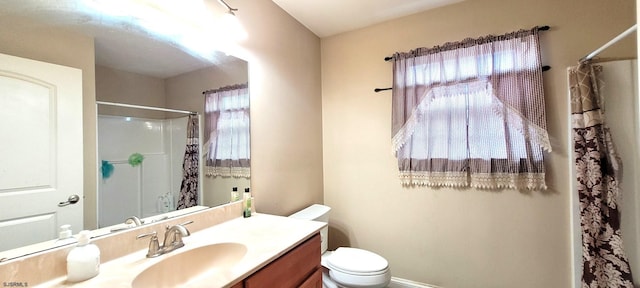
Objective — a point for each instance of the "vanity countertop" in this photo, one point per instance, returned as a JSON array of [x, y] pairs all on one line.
[[266, 237]]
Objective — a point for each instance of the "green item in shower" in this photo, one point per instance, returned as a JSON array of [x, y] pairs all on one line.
[[106, 169], [135, 159]]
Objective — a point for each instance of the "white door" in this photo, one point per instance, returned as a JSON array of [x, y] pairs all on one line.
[[40, 150]]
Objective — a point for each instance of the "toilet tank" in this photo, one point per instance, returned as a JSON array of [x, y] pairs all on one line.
[[316, 212]]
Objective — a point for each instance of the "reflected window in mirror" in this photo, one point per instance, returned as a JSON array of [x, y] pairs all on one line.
[[227, 150]]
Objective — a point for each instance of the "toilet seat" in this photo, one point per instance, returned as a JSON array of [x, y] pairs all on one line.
[[352, 267], [356, 261]]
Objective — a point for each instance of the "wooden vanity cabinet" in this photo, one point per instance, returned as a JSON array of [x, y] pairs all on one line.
[[314, 281], [298, 268]]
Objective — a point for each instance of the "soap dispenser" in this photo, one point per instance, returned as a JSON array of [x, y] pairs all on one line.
[[83, 261], [65, 235]]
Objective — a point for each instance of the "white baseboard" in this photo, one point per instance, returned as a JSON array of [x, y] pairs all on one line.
[[404, 283]]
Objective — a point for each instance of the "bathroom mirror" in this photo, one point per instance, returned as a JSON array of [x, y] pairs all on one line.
[[127, 54]]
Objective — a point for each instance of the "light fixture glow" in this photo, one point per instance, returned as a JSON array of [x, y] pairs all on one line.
[[232, 28], [187, 23]]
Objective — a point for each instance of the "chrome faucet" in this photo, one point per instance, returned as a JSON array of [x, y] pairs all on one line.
[[133, 219], [172, 239]]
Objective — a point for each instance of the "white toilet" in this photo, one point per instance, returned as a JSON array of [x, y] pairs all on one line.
[[346, 267]]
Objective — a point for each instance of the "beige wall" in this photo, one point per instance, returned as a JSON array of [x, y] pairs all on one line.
[[446, 237], [119, 86], [68, 49], [286, 119]]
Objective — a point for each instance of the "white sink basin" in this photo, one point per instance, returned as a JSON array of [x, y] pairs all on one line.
[[191, 266]]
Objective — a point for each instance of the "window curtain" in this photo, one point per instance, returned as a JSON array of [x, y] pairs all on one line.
[[189, 187], [597, 171], [227, 121], [471, 113]]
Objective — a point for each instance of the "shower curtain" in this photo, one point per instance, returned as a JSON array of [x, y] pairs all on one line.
[[597, 171], [189, 186]]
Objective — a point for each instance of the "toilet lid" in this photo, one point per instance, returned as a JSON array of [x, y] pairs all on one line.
[[357, 261]]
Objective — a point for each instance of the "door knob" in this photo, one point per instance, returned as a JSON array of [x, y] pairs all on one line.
[[73, 199]]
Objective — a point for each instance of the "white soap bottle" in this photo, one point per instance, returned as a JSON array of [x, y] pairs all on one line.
[[65, 235], [83, 261]]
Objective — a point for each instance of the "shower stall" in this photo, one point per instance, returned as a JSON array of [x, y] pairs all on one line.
[[140, 155], [621, 114]]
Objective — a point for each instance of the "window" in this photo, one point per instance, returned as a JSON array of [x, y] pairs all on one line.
[[471, 113], [227, 124]]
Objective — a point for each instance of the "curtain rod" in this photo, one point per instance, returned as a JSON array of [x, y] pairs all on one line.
[[226, 88], [540, 28], [544, 68], [145, 107], [611, 42]]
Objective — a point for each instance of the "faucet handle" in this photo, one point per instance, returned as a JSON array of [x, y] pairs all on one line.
[[145, 235], [154, 245]]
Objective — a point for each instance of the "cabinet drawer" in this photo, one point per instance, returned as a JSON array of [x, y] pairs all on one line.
[[290, 270], [314, 281]]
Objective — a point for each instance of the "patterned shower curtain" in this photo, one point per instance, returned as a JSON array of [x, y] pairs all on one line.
[[189, 186], [597, 169]]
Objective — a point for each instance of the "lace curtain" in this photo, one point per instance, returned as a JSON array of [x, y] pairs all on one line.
[[604, 263], [227, 122], [471, 113]]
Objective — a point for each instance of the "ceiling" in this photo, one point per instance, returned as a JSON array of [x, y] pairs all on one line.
[[118, 43], [331, 17], [124, 46]]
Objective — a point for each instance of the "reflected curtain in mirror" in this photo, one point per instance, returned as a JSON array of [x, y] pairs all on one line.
[[189, 187], [471, 113], [227, 124]]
